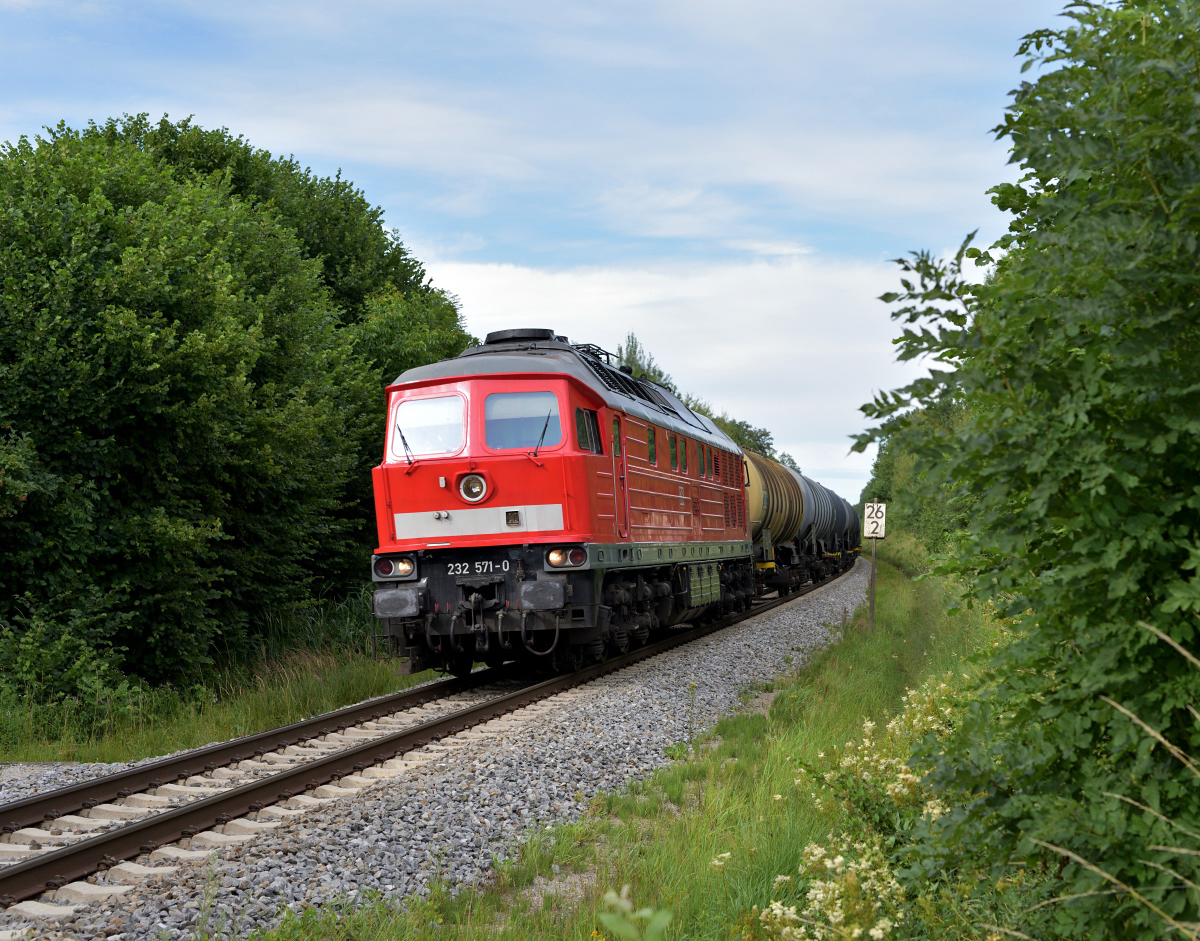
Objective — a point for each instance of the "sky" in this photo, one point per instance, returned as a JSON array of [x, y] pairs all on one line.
[[730, 181]]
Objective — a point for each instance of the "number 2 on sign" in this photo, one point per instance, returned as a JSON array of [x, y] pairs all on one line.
[[876, 519]]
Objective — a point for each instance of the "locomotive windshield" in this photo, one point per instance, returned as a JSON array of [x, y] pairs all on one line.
[[521, 420], [430, 427]]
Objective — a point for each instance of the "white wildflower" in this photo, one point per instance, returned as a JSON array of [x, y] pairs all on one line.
[[933, 809]]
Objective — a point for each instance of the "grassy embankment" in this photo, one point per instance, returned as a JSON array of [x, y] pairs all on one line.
[[736, 793], [327, 664]]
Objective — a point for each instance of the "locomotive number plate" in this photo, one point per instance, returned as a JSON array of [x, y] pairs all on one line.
[[480, 567]]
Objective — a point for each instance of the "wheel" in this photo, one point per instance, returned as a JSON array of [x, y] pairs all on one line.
[[460, 664]]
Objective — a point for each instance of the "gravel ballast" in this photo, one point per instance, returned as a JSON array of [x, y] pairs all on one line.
[[461, 803]]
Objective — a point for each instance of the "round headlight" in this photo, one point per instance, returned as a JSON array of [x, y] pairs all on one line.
[[557, 557], [384, 567], [577, 556], [473, 488], [404, 567]]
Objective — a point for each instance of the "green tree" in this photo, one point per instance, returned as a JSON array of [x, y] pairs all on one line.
[[750, 437], [194, 341], [641, 363], [362, 264], [1080, 360], [908, 445], [332, 220], [170, 367]]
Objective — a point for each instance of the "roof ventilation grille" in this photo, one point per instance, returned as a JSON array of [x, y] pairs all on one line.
[[615, 380]]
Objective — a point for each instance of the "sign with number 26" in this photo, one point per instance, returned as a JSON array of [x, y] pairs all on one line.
[[875, 523]]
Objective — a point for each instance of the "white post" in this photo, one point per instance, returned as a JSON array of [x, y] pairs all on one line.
[[873, 543], [874, 528]]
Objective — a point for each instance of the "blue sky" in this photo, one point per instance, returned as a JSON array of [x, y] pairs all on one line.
[[727, 180]]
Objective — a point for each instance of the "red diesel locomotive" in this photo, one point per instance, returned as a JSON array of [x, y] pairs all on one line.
[[534, 501]]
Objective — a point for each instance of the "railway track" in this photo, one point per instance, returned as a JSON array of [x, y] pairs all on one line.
[[340, 748]]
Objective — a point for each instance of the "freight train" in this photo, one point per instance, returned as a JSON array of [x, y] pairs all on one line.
[[538, 502]]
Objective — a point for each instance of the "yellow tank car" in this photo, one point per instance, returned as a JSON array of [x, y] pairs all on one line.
[[799, 527], [774, 500]]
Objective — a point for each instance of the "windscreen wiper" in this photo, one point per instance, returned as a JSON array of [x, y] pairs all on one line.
[[542, 437], [408, 455]]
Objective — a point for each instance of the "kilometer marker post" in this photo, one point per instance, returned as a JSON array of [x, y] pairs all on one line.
[[874, 527]]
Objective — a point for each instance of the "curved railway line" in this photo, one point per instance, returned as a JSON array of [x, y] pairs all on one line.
[[303, 763]]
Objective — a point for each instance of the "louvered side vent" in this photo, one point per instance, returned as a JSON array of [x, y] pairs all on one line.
[[614, 380], [602, 372]]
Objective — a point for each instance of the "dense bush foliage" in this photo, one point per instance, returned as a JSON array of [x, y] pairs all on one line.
[[929, 514], [393, 316], [1080, 360], [193, 342], [331, 219]]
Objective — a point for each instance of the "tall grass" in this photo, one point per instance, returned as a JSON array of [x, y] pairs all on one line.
[[314, 661], [736, 793]]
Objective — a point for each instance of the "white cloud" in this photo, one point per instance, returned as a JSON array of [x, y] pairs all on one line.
[[402, 126], [730, 182], [796, 344], [663, 121], [769, 248]]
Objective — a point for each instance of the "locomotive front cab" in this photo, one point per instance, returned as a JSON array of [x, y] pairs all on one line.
[[485, 515]]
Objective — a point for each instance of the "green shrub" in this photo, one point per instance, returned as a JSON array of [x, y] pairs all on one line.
[[194, 338], [332, 220], [168, 372], [929, 514], [1079, 360], [379, 292]]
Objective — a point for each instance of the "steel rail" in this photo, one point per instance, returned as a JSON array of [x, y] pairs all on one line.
[[33, 810], [54, 869]]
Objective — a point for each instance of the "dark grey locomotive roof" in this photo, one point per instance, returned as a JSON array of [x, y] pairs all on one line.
[[537, 350]]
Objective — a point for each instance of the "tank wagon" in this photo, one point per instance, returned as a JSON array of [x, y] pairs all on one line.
[[536, 501]]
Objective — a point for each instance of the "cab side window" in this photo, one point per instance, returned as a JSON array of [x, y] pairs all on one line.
[[673, 447], [593, 421], [587, 431], [616, 438], [651, 447], [583, 434]]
